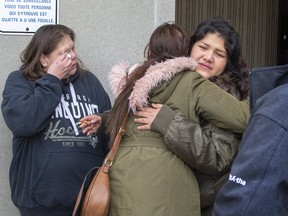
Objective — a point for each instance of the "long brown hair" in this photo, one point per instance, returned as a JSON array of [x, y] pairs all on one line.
[[167, 41], [44, 41]]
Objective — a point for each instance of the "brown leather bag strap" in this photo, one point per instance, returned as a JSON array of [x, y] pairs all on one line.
[[110, 156]]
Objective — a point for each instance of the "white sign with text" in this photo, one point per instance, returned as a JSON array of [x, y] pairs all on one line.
[[24, 17]]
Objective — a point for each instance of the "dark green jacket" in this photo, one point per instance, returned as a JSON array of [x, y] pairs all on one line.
[[146, 177], [208, 149]]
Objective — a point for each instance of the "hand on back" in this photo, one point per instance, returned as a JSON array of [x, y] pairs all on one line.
[[147, 116]]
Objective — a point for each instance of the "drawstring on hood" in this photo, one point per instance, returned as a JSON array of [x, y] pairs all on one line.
[[73, 94]]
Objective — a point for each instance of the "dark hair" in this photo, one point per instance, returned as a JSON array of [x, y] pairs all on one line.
[[235, 73], [44, 41], [167, 41]]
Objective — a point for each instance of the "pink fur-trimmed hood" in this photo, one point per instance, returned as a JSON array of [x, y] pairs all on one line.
[[155, 74]]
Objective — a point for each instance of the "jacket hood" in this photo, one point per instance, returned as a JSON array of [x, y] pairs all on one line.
[[155, 74]]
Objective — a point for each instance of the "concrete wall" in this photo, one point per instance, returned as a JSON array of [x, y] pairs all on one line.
[[107, 31]]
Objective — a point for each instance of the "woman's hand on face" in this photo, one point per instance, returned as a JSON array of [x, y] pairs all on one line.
[[90, 124], [61, 66], [147, 116]]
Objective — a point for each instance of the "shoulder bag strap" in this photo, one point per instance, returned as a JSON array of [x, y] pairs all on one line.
[[110, 156]]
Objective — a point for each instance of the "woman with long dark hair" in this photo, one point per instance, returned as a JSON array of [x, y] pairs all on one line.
[[208, 149], [146, 177]]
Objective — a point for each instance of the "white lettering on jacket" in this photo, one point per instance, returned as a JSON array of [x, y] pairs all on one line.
[[71, 108], [237, 180]]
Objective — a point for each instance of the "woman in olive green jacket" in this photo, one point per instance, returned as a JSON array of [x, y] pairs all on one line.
[[146, 177], [209, 150]]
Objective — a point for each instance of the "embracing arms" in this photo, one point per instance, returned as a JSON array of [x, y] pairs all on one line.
[[206, 148]]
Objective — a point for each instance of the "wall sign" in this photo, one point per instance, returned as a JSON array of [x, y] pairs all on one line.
[[24, 17]]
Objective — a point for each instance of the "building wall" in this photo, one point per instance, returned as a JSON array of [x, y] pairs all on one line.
[[108, 31]]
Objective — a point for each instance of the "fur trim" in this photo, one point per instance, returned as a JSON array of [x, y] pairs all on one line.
[[155, 74], [116, 78]]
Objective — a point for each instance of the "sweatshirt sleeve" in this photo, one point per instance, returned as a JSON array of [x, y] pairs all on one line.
[[99, 93], [27, 105]]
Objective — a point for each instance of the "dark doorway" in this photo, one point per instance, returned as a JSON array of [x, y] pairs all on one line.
[[256, 21], [283, 33]]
